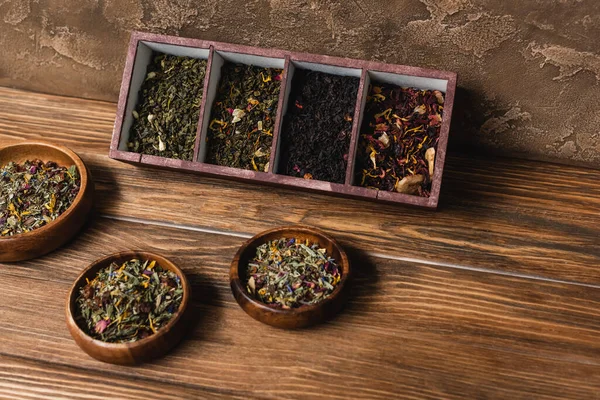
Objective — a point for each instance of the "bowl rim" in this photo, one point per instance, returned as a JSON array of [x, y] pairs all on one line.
[[83, 174], [344, 263], [164, 330]]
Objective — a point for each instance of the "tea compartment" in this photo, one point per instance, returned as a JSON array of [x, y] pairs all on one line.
[[402, 86], [227, 111], [318, 119], [143, 54], [248, 110]]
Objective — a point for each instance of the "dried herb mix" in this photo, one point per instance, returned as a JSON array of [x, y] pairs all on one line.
[[242, 121], [288, 273], [34, 194], [318, 126], [166, 117], [399, 136], [129, 302]]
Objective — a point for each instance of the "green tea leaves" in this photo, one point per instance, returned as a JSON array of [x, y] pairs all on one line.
[[242, 121], [166, 117]]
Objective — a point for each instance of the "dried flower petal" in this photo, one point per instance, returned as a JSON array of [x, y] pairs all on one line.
[[384, 139], [422, 109], [382, 127], [373, 158], [260, 153], [435, 120], [102, 325]]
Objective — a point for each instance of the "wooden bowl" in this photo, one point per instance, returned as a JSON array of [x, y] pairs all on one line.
[[139, 351], [296, 317], [49, 237]]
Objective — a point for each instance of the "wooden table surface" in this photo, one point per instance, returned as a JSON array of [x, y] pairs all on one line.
[[495, 295]]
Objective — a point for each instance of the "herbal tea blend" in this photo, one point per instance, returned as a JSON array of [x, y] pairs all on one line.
[[34, 194], [243, 117], [287, 273], [399, 136], [318, 126], [166, 117], [128, 302]]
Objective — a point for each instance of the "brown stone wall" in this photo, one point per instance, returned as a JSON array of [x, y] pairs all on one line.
[[529, 71]]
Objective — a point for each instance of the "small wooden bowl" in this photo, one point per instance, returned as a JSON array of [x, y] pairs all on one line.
[[142, 350], [296, 317], [49, 237]]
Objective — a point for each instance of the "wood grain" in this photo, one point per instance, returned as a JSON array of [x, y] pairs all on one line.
[[24, 379], [408, 331], [496, 295], [513, 216]]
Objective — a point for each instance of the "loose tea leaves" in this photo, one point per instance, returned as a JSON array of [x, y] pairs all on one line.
[[318, 126], [166, 117], [128, 302], [243, 117], [400, 132], [34, 194], [287, 273]]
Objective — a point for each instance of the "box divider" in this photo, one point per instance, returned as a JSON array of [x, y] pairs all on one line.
[[122, 104], [202, 114], [216, 62], [440, 153], [361, 98], [284, 95]]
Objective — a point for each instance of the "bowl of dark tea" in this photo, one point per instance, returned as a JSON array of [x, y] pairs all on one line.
[[46, 194], [128, 307], [290, 277]]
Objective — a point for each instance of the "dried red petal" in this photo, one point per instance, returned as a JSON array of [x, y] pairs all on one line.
[[102, 325]]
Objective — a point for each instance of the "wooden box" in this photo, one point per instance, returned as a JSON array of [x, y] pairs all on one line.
[[139, 54]]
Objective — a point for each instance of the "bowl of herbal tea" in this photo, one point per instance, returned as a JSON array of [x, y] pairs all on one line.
[[290, 277], [128, 307], [46, 194]]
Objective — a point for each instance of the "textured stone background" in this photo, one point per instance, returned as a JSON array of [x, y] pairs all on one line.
[[529, 71]]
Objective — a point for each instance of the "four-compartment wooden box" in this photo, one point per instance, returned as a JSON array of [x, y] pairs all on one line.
[[143, 45]]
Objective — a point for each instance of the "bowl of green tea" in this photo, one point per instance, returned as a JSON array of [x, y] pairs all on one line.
[[45, 196], [290, 277], [128, 307]]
